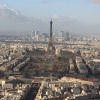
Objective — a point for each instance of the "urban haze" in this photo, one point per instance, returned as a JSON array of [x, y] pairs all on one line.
[[50, 50]]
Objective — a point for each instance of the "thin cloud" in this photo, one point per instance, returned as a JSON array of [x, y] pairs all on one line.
[[11, 19], [46, 1], [8, 12], [55, 16], [95, 1]]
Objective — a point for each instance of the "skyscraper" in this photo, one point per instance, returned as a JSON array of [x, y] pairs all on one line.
[[67, 36]]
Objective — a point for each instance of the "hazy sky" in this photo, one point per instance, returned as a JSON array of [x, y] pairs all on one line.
[[77, 16]]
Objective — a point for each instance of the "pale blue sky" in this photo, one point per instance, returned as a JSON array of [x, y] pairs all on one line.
[[80, 9], [84, 12]]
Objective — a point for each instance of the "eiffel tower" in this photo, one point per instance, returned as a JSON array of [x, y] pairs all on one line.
[[51, 48]]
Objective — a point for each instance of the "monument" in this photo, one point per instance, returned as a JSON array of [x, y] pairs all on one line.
[[51, 48]]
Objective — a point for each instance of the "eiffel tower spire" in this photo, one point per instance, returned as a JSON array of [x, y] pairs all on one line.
[[51, 30]]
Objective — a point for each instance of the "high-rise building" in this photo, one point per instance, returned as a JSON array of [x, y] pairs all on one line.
[[61, 36], [35, 35], [32, 34], [67, 37]]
